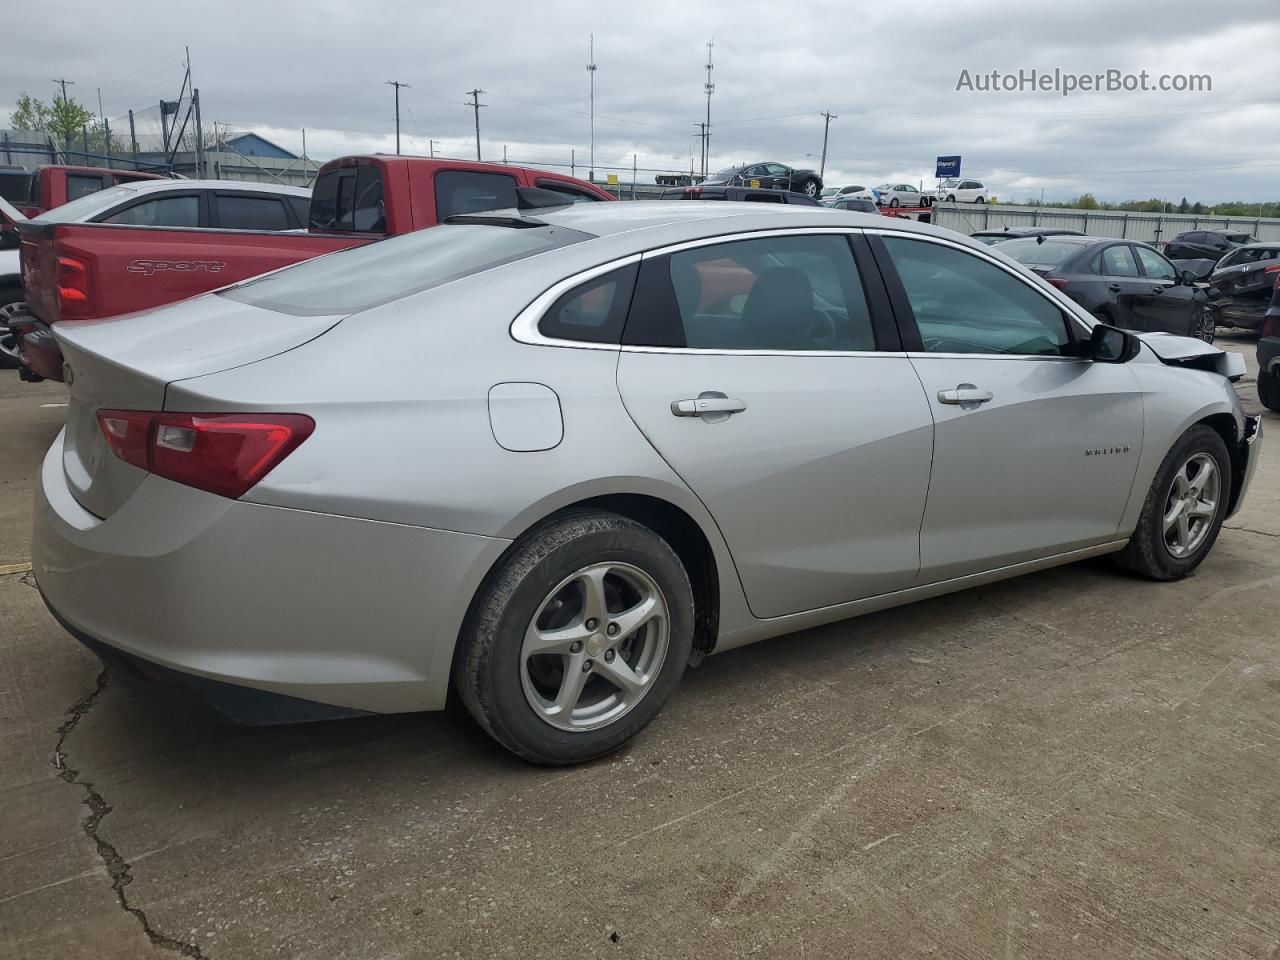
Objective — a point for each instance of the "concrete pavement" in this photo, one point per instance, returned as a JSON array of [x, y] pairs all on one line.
[[1072, 764]]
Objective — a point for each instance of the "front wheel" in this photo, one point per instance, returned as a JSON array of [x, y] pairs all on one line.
[[980, 200], [1203, 327], [811, 189], [577, 639], [1184, 509], [1269, 390], [893, 202]]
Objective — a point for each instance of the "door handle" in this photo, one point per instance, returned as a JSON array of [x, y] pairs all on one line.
[[966, 395], [1113, 287], [708, 403], [1157, 289]]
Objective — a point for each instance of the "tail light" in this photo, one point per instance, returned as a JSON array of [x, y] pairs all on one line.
[[223, 453], [73, 288], [1059, 282]]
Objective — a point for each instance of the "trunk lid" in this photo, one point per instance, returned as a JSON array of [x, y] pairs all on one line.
[[1245, 278], [39, 270], [126, 363]]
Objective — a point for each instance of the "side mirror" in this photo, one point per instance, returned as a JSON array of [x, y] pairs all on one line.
[[1188, 277], [1108, 344]]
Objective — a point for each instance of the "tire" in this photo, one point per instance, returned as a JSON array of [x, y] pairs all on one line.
[[980, 200], [11, 302], [1149, 553], [1269, 390], [951, 198], [543, 579], [893, 201], [1203, 326], [811, 189]]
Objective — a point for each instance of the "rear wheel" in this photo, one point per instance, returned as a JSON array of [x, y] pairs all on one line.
[[1184, 509], [811, 189], [577, 639], [11, 305], [980, 200], [893, 202], [1203, 327], [1269, 390]]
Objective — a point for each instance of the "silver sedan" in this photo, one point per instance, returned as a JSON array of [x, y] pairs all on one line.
[[550, 457]]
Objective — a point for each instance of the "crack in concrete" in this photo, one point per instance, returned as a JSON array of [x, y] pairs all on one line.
[[1261, 533], [118, 868]]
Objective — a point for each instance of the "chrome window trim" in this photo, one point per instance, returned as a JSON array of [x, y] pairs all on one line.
[[524, 328], [1066, 305]]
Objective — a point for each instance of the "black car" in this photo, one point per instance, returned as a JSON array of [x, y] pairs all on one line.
[[997, 236], [1269, 354], [1121, 282], [769, 176], [1241, 285], [1205, 244], [714, 192]]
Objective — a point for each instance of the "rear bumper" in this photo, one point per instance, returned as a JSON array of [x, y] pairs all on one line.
[[345, 613], [1250, 451]]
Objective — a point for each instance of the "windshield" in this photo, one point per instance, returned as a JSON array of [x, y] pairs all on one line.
[[990, 238], [1035, 254], [363, 277], [885, 186], [82, 208]]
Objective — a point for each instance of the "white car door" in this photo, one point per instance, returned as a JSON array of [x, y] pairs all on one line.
[[755, 368], [1035, 448]]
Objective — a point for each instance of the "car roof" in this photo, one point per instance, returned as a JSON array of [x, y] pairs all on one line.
[[162, 186]]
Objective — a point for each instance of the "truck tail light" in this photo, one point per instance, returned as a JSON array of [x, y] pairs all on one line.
[[223, 453], [73, 288], [1059, 282]]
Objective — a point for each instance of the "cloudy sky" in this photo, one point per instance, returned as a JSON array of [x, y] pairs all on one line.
[[889, 72]]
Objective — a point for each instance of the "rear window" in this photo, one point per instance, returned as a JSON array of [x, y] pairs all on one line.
[[1034, 254], [15, 186], [365, 277]]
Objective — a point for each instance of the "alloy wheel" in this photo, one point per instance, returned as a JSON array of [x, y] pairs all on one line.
[[1191, 505], [8, 341], [1205, 328], [595, 646]]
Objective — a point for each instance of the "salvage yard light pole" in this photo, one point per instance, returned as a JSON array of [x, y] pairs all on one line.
[[591, 72], [710, 88]]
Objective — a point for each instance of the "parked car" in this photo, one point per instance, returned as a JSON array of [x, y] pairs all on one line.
[[1269, 353], [769, 176], [1241, 285], [831, 194], [599, 442], [856, 204], [1120, 282], [52, 185], [957, 190], [739, 194], [999, 236], [80, 267], [11, 306], [898, 195], [1205, 244]]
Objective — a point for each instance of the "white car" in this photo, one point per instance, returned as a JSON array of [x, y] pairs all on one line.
[[960, 190], [898, 195], [849, 191]]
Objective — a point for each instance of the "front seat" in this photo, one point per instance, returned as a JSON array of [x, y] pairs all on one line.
[[779, 313]]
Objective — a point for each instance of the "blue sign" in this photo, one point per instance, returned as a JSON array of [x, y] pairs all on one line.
[[948, 167]]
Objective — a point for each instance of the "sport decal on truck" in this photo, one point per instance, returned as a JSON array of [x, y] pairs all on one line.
[[151, 267]]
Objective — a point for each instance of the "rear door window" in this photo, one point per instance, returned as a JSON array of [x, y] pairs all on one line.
[[469, 191], [240, 212], [1117, 261], [180, 211]]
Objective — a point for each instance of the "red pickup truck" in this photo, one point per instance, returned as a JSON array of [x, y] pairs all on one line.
[[86, 271], [53, 185]]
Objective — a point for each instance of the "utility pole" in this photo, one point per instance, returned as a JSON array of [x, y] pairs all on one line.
[[431, 147], [591, 72], [397, 84], [66, 135], [710, 88], [200, 164], [822, 167], [702, 149], [475, 105]]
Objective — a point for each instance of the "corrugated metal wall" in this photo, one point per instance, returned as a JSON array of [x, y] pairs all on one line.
[[1153, 228]]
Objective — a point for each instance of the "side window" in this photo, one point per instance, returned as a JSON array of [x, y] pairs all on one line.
[[593, 312], [776, 293], [776, 169], [301, 208], [963, 304], [251, 213], [765, 196], [369, 213], [161, 212], [572, 193], [81, 185], [1154, 265], [323, 210], [465, 191], [1117, 261]]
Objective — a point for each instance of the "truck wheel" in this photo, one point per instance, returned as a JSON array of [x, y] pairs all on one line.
[[577, 639], [1269, 390], [11, 304], [1184, 509], [811, 189]]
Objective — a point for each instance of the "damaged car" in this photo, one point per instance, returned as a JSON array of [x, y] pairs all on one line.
[[611, 440], [1241, 285]]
